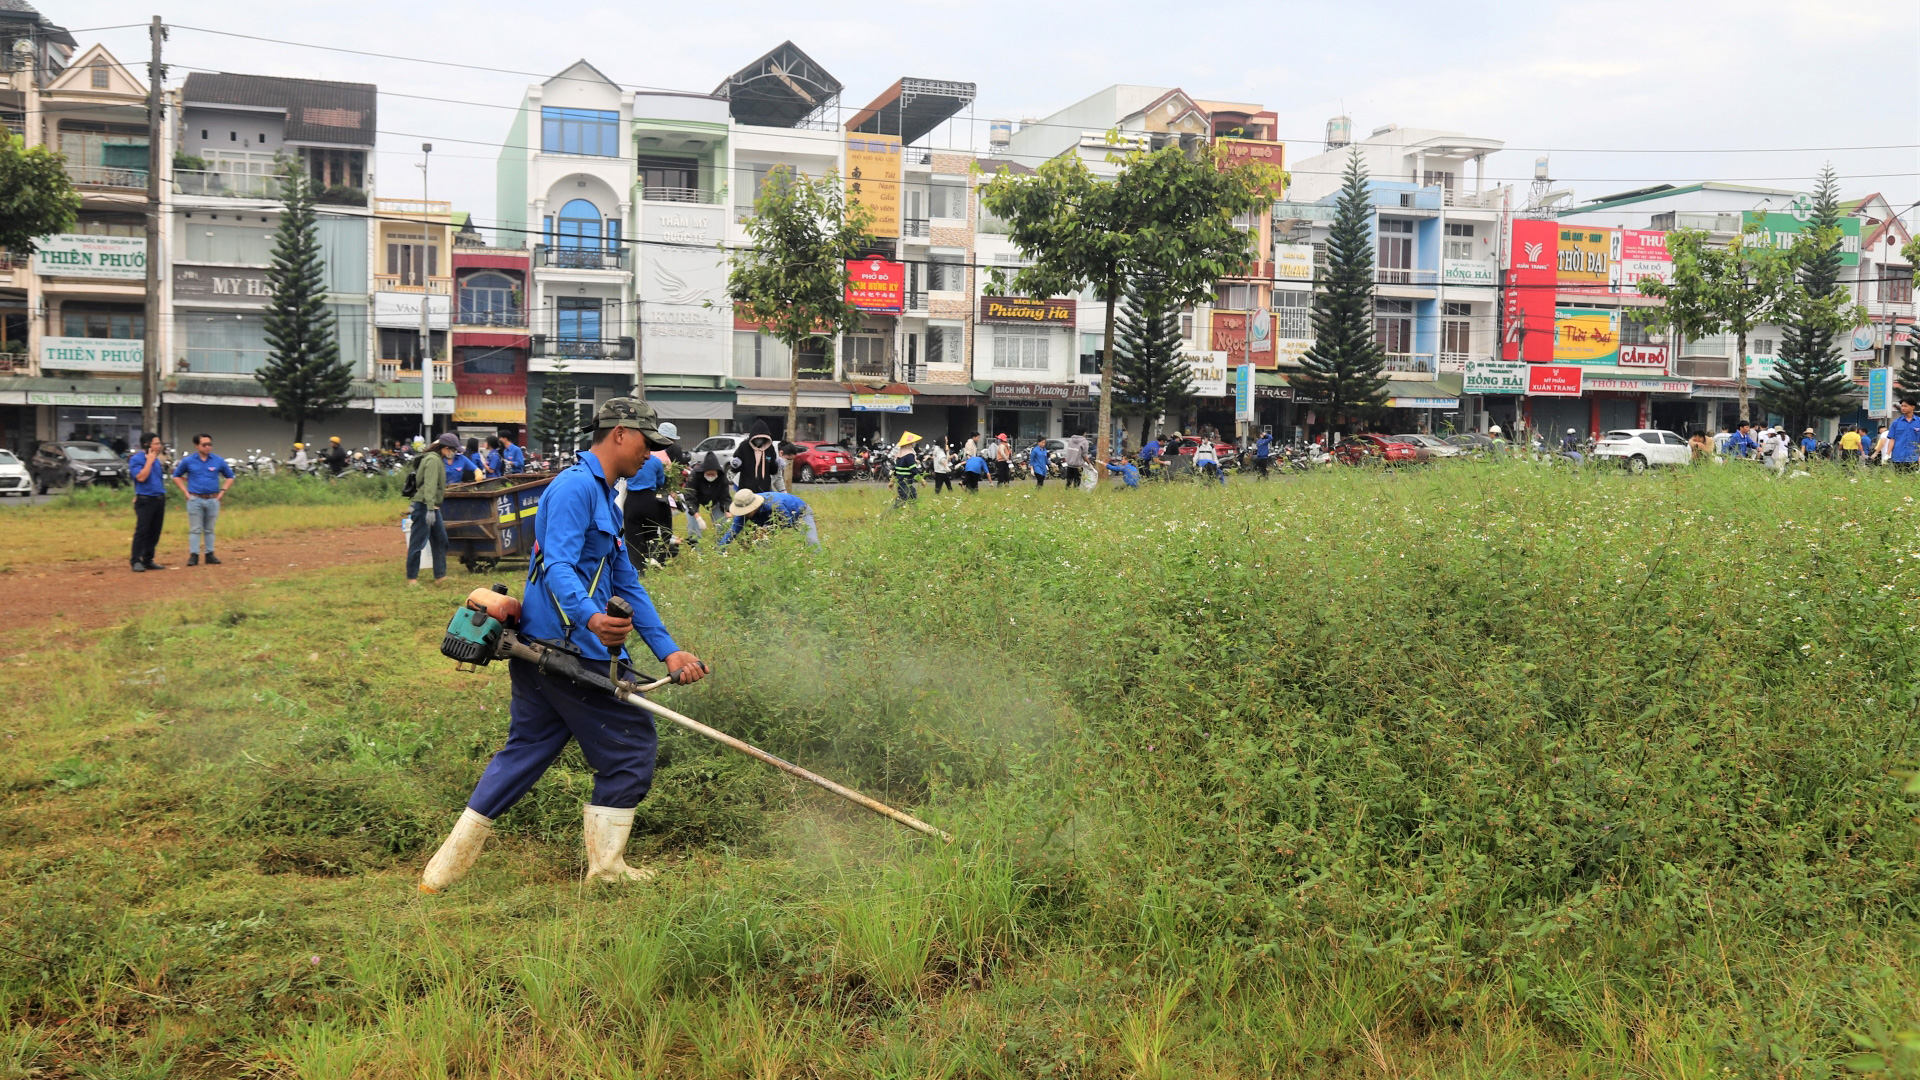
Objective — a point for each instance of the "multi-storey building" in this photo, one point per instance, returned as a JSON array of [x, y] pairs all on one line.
[[1437, 258], [490, 340], [236, 136], [33, 52], [565, 189], [1700, 387], [86, 292]]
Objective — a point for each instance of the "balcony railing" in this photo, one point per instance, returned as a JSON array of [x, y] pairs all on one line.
[[742, 214], [1386, 275], [440, 286], [1471, 200], [230, 185], [491, 318], [414, 207], [916, 301], [391, 371], [1454, 361], [871, 369], [561, 348], [678, 194], [580, 258], [914, 226], [107, 176], [1410, 362], [14, 363]]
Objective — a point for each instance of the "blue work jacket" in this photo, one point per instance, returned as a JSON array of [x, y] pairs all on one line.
[[580, 562]]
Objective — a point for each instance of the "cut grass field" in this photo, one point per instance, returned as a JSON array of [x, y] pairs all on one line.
[[1479, 772]]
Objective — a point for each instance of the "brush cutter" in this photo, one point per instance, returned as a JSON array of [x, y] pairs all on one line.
[[483, 630]]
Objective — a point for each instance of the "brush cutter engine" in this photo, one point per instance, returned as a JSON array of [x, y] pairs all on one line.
[[476, 633]]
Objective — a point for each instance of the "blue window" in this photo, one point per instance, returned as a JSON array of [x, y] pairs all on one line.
[[577, 318], [580, 131], [580, 225], [487, 298]]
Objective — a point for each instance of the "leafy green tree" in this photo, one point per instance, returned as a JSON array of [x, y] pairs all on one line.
[[1344, 366], [36, 198], [557, 425], [792, 276], [1811, 378], [1152, 379], [1731, 289], [304, 373], [1166, 213]]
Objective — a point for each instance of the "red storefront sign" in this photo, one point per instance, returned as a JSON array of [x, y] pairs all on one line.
[[1643, 356], [876, 285], [1229, 333], [1532, 277], [1554, 380]]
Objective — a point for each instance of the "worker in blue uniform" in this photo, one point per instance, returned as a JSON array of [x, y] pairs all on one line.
[[579, 563]]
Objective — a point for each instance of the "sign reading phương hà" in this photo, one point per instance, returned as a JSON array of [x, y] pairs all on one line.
[[1495, 377], [123, 355], [78, 255]]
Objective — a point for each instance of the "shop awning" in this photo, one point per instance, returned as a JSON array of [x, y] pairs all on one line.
[[1421, 395], [490, 409]]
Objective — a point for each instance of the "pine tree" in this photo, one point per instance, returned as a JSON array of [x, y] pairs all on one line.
[[557, 425], [1810, 380], [1906, 377], [1342, 370], [303, 373], [1151, 378]]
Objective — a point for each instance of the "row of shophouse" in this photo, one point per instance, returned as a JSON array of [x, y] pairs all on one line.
[[604, 258]]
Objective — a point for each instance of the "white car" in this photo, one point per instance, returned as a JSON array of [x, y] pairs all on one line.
[[1637, 448], [14, 477]]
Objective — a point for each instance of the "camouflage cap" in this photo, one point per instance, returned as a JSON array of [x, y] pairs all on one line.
[[631, 413]]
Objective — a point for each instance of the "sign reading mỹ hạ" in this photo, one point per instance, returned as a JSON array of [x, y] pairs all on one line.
[[1554, 380], [1021, 309], [123, 355], [1495, 377], [122, 258], [876, 284]]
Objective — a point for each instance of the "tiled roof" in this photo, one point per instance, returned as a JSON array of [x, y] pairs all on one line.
[[316, 111]]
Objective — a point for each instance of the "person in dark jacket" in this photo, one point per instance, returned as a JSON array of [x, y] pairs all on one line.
[[706, 488], [643, 510], [336, 456], [757, 462]]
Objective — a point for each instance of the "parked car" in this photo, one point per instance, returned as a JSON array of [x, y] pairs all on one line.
[[1431, 447], [1356, 448], [1472, 442], [15, 479], [822, 461], [75, 464], [1638, 448]]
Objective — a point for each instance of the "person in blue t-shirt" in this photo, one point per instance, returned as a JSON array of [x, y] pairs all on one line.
[[1903, 438], [1810, 445], [204, 478], [1263, 454], [972, 472], [1125, 470], [1149, 454], [1742, 443], [496, 457], [771, 509], [149, 471], [1037, 461], [516, 457]]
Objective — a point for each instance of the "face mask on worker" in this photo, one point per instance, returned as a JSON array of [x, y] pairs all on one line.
[[711, 476]]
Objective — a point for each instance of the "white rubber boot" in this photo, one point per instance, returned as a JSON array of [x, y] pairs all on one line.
[[606, 831], [457, 855]]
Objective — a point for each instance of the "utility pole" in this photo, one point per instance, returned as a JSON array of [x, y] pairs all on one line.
[[426, 301], [150, 348]]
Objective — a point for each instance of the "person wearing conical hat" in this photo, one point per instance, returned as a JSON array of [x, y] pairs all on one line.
[[769, 509], [906, 470]]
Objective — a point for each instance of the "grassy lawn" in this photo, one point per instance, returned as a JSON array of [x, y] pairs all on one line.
[[1477, 772]]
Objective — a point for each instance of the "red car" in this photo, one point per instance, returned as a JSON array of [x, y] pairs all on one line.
[[1186, 445], [1357, 448], [822, 461]]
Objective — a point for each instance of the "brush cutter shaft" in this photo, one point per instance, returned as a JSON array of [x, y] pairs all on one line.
[[788, 767]]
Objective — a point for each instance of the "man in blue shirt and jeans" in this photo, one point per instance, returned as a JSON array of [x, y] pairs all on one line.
[[204, 478], [580, 562], [149, 471], [1903, 437]]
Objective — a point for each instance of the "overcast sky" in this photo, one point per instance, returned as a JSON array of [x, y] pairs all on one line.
[[1738, 90]]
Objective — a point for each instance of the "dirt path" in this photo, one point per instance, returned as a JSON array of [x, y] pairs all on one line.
[[103, 592]]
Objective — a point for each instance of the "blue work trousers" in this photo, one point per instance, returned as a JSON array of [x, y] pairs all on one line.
[[617, 739]]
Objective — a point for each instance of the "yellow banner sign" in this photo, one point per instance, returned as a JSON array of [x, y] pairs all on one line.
[[1586, 336], [1586, 255], [873, 179]]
